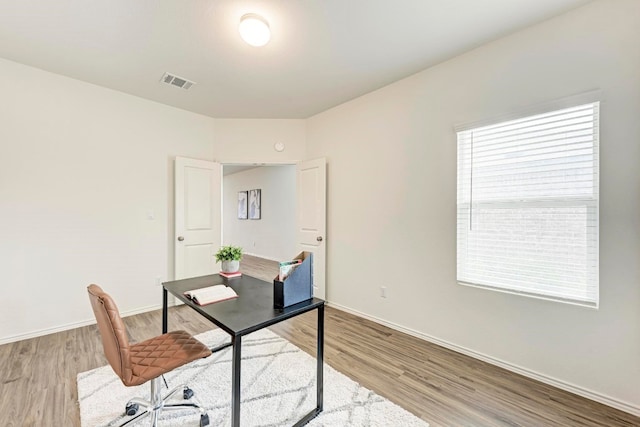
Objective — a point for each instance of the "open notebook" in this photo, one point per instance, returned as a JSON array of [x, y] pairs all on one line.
[[211, 294]]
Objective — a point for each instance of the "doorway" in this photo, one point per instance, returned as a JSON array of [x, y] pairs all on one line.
[[292, 197], [270, 231]]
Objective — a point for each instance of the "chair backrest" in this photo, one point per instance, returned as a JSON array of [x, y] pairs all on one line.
[[113, 332]]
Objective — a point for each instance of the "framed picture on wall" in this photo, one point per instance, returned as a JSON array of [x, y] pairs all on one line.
[[242, 205], [254, 204]]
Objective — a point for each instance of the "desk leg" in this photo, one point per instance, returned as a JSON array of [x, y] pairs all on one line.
[[165, 309], [235, 383], [319, 372], [319, 358]]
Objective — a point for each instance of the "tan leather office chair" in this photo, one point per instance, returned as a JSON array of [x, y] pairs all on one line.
[[138, 363]]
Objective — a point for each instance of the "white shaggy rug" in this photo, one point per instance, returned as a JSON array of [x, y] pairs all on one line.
[[278, 388]]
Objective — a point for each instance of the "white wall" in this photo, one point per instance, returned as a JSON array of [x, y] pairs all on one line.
[[82, 167], [252, 140], [392, 198], [273, 236]]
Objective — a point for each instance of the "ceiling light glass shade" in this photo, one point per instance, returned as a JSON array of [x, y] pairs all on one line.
[[254, 30]]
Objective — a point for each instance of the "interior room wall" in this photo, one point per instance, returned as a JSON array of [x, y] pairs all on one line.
[[86, 196], [272, 236], [84, 170], [253, 140], [392, 202]]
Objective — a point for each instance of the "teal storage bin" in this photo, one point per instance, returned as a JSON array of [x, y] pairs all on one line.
[[297, 286]]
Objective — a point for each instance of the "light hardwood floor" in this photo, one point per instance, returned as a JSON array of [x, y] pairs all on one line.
[[38, 376]]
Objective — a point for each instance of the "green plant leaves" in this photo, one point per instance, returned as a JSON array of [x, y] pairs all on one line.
[[229, 253]]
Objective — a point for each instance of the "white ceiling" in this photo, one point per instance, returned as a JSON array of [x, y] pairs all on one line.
[[322, 52]]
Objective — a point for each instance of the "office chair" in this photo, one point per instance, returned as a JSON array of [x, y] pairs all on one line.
[[138, 363]]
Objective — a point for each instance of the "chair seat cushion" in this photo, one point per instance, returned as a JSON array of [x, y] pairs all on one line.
[[161, 354]]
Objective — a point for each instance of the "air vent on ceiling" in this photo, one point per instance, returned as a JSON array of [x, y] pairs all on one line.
[[174, 80]]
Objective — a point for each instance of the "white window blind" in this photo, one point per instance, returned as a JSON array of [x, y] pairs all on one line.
[[528, 205]]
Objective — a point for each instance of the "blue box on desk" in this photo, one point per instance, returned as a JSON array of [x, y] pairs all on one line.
[[297, 286]]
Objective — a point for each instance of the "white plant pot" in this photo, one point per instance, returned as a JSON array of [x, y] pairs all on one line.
[[230, 266]]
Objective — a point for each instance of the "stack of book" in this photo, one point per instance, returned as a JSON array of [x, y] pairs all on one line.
[[230, 275], [286, 267]]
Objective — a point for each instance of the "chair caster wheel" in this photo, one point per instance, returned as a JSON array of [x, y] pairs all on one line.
[[187, 393], [131, 409], [204, 420]]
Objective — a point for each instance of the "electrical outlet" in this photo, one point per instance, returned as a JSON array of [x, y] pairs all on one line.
[[383, 291], [158, 280]]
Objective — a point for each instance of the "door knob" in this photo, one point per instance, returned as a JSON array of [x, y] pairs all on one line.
[[180, 238], [319, 238]]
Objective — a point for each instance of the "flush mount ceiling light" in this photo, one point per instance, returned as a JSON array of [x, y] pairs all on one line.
[[254, 30]]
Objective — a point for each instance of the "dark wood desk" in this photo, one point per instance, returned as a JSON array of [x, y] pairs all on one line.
[[251, 311]]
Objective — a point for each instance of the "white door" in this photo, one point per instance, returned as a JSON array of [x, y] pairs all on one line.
[[311, 180], [197, 216]]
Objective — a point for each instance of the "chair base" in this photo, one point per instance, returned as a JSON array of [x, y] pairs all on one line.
[[158, 404]]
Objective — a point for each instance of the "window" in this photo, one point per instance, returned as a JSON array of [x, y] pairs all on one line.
[[528, 205]]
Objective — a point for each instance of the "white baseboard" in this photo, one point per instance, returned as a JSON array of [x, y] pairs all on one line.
[[66, 327], [580, 391]]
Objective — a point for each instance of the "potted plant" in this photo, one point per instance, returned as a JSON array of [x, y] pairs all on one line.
[[229, 257]]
